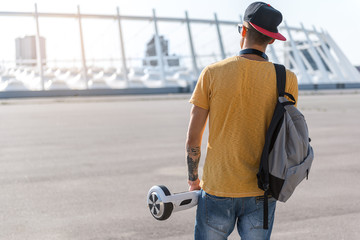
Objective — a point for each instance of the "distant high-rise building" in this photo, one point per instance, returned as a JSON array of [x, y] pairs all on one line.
[[26, 50], [151, 53], [151, 50]]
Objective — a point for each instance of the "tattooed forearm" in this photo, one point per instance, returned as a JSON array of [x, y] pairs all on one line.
[[193, 159]]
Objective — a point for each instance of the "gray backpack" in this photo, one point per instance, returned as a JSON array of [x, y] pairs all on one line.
[[287, 155]]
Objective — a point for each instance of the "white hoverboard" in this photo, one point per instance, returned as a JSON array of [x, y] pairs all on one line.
[[162, 203]]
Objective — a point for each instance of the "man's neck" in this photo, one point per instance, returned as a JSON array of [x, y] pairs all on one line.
[[253, 56]]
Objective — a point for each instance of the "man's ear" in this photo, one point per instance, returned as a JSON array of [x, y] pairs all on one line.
[[272, 41]]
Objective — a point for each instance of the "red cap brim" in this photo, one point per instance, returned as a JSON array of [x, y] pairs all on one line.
[[277, 36]]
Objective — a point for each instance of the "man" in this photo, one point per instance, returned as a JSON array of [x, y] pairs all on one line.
[[238, 95]]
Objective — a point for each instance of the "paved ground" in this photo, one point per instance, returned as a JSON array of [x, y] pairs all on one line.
[[80, 168]]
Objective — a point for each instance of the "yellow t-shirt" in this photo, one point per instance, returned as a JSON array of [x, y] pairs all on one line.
[[240, 95]]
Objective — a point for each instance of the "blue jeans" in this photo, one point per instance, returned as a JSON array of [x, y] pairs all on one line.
[[216, 217]]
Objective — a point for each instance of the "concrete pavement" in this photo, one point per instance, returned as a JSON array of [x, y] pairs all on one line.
[[80, 168]]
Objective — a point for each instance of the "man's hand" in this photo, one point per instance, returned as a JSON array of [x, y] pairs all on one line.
[[194, 185]]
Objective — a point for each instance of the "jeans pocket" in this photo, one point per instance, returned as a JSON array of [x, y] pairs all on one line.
[[219, 213], [257, 216]]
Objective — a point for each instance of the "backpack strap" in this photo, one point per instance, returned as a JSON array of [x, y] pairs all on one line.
[[280, 79], [281, 83], [280, 71]]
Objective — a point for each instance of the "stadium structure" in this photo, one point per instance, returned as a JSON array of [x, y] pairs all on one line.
[[171, 58]]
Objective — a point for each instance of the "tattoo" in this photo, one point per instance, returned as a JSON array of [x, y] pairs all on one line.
[[193, 159]]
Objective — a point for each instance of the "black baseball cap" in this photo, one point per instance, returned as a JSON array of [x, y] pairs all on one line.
[[265, 19]]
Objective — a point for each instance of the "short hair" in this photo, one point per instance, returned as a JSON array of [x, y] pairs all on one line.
[[256, 37]]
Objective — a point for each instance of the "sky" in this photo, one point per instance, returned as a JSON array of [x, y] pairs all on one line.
[[338, 18]]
